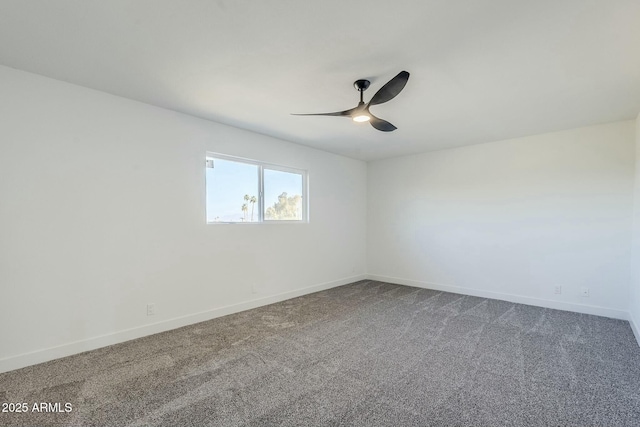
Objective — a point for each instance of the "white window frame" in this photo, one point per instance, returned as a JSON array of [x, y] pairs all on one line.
[[261, 208]]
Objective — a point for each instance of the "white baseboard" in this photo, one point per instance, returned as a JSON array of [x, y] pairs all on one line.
[[634, 327], [558, 305], [45, 355]]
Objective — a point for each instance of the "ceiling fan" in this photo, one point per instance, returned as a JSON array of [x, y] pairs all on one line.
[[361, 112]]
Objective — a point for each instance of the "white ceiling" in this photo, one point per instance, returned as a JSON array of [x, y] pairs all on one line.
[[481, 70]]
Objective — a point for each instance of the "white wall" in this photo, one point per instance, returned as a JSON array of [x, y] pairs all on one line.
[[102, 210], [634, 301], [511, 219]]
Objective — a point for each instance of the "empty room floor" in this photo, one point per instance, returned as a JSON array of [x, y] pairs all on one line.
[[364, 354]]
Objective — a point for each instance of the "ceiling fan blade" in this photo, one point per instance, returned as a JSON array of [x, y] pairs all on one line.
[[391, 89], [380, 124], [337, 113]]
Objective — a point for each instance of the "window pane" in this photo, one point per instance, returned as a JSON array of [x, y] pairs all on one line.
[[282, 195], [232, 192]]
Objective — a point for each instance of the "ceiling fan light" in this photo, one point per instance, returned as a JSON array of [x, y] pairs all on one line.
[[361, 118]]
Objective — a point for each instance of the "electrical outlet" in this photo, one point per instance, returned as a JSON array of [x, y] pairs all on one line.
[[557, 290], [584, 291], [151, 309]]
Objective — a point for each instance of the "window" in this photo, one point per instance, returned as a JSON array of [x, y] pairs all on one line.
[[247, 191]]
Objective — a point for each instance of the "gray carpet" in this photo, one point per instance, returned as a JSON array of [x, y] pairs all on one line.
[[365, 354]]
